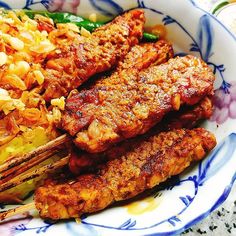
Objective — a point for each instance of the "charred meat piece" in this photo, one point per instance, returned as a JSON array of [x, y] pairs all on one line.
[[133, 100], [140, 57], [88, 56], [154, 161], [188, 117]]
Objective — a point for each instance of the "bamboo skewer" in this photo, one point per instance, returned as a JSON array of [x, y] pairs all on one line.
[[12, 171], [49, 146], [17, 170], [43, 170], [16, 211]]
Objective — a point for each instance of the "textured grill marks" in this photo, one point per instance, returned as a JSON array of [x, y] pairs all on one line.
[[155, 160], [133, 100], [85, 57]]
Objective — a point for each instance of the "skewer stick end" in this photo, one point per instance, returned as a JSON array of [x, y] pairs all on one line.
[[15, 211]]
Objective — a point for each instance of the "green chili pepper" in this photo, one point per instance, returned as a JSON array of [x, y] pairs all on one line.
[[59, 17], [150, 37]]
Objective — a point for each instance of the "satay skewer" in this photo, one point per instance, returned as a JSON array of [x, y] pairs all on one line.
[[25, 158], [154, 53], [19, 169], [154, 161], [36, 173], [10, 178], [64, 138], [188, 117], [16, 211]]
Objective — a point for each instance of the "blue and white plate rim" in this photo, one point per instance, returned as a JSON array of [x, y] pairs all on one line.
[[227, 189]]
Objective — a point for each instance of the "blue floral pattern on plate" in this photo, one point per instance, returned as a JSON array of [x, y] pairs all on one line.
[[191, 188]]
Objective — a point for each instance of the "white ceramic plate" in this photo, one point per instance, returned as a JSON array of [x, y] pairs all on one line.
[[190, 197]]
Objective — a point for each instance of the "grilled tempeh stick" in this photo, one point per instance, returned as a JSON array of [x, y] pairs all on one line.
[[140, 57], [132, 101], [189, 117], [83, 162], [152, 52], [155, 160], [88, 56]]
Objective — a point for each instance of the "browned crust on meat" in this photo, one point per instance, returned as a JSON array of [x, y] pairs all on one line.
[[155, 160], [130, 102], [88, 56], [140, 57], [188, 117]]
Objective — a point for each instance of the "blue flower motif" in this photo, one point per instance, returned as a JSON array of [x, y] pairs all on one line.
[[206, 170], [21, 227], [75, 229], [30, 3], [38, 229], [107, 7], [141, 4], [168, 20], [186, 200], [201, 44], [204, 38], [173, 220], [195, 48], [4, 5], [127, 224], [224, 102]]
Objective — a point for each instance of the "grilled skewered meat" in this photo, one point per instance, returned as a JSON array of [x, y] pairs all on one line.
[[81, 161], [116, 108], [133, 100], [143, 55], [88, 56], [140, 57], [189, 117], [155, 160]]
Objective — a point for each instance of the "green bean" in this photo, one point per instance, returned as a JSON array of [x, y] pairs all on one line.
[[60, 17]]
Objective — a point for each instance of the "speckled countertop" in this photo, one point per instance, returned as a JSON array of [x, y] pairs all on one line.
[[222, 221]]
